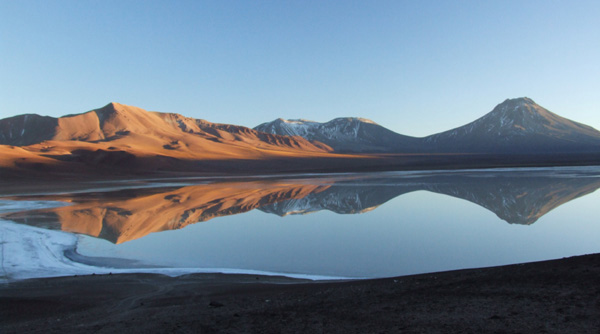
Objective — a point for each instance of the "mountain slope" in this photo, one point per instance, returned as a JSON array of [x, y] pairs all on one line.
[[350, 134], [517, 126]]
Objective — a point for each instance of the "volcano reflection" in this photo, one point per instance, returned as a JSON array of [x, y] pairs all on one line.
[[120, 216]]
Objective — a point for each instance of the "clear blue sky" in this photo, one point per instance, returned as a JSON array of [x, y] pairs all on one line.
[[416, 67]]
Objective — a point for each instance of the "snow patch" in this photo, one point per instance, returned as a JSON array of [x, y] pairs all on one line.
[[32, 252], [28, 252]]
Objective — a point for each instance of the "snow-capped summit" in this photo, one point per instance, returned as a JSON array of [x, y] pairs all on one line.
[[289, 127], [344, 134]]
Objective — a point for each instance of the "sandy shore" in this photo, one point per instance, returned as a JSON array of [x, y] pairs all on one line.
[[559, 296]]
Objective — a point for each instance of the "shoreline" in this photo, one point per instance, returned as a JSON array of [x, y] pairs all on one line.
[[554, 296], [37, 187], [338, 163]]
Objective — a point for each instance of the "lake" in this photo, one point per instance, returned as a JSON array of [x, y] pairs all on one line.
[[357, 225]]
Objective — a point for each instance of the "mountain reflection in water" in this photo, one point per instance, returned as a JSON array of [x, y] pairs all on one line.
[[517, 197]]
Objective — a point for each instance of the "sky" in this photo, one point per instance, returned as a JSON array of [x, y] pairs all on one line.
[[415, 67]]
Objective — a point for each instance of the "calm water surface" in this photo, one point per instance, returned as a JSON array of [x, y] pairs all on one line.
[[352, 225]]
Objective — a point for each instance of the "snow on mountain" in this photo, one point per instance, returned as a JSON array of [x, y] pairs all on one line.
[[348, 134]]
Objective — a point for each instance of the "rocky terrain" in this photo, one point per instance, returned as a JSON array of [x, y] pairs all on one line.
[[559, 296]]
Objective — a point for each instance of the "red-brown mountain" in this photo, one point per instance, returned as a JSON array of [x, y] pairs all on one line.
[[120, 136], [116, 121]]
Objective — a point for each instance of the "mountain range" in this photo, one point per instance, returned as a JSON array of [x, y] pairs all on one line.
[[514, 126], [124, 139]]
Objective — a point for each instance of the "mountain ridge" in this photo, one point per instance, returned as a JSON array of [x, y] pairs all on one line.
[[343, 134], [514, 122], [116, 120], [514, 126], [128, 140]]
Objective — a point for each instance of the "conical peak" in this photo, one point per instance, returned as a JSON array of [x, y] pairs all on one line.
[[515, 103], [518, 106]]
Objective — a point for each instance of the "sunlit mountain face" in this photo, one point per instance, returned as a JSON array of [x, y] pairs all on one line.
[[124, 125], [517, 197], [119, 138]]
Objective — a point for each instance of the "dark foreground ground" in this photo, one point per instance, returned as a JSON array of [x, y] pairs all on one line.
[[561, 296]]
